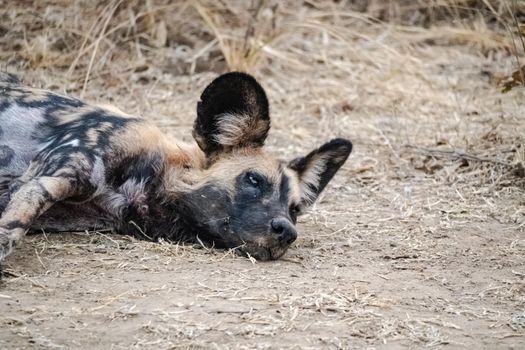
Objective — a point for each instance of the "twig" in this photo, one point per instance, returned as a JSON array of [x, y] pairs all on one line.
[[458, 154], [516, 23], [140, 230]]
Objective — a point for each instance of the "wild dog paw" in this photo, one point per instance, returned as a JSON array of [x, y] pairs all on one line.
[[7, 243]]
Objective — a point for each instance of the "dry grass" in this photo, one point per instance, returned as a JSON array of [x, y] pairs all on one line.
[[419, 242]]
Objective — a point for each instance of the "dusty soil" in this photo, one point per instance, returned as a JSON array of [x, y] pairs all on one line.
[[418, 242]]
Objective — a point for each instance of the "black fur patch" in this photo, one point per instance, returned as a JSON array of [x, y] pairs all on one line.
[[51, 103], [284, 190], [9, 78], [255, 206], [78, 129], [5, 195], [63, 217], [6, 155], [143, 210], [4, 105], [141, 167], [233, 93], [67, 156], [212, 225], [14, 224]]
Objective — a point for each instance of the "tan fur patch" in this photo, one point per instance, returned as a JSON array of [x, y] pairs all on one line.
[[27, 203], [223, 171], [67, 115], [27, 95], [114, 111], [144, 137], [138, 137], [294, 184], [179, 156], [230, 165], [184, 154]]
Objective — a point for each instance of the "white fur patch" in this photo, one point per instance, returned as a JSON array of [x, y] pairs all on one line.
[[114, 203], [311, 178], [98, 176], [135, 192], [239, 129], [73, 143], [130, 193]]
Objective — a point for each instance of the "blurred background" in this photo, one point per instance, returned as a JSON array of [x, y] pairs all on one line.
[[97, 38], [80, 41], [419, 239]]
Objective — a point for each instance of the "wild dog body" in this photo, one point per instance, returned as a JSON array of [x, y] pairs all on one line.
[[67, 165]]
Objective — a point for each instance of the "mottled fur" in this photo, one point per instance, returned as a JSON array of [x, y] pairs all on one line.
[[68, 165]]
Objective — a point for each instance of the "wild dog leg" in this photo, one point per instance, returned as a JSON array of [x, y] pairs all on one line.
[[27, 203]]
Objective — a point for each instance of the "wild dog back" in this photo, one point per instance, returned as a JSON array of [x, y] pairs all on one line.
[[49, 132], [59, 152]]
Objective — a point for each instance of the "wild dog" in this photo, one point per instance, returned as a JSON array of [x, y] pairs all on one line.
[[66, 165]]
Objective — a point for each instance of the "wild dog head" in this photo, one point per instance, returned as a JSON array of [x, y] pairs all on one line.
[[246, 198]]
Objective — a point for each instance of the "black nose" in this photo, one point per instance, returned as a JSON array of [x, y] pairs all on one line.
[[284, 229]]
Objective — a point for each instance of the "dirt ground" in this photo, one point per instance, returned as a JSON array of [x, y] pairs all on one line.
[[418, 242]]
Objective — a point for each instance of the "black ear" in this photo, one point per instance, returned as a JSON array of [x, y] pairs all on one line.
[[233, 112], [318, 167]]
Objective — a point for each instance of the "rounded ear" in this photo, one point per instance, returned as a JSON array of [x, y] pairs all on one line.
[[319, 167], [232, 112]]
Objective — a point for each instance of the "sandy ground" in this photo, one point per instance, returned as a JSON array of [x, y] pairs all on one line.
[[418, 242]]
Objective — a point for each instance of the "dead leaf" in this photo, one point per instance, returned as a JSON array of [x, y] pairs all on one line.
[[515, 79]]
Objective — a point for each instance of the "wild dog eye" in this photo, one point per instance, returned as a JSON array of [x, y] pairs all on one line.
[[254, 179], [295, 209]]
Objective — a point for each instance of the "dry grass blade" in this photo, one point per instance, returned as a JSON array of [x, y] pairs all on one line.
[[97, 42]]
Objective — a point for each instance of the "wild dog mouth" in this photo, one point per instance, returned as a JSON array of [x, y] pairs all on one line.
[[263, 253], [262, 248]]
